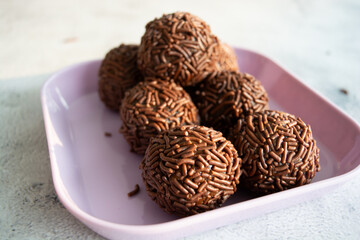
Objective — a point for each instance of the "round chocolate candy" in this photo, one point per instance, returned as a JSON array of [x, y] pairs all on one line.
[[226, 96], [178, 46], [118, 72], [227, 59], [278, 151], [153, 106], [190, 169]]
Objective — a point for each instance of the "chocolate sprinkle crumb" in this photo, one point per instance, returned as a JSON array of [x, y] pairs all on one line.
[[135, 191], [70, 39], [344, 91], [107, 134]]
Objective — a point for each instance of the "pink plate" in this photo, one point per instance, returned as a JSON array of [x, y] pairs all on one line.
[[93, 173]]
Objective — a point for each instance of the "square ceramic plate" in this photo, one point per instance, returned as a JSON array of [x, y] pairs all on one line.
[[93, 173]]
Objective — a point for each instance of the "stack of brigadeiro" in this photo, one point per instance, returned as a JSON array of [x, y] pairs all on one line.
[[204, 126]]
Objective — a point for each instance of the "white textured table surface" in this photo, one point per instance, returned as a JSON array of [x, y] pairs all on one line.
[[319, 41]]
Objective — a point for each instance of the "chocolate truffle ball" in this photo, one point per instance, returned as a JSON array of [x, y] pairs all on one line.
[[227, 59], [151, 107], [178, 46], [226, 96], [118, 72], [278, 151], [190, 169]]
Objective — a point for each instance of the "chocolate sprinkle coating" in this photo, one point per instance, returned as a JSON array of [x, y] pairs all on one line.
[[278, 151], [226, 96], [190, 169], [178, 46], [118, 73], [153, 106]]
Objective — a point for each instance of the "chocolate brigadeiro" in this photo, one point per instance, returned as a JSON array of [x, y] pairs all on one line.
[[223, 97], [190, 169], [151, 107], [227, 59], [178, 46], [118, 72], [278, 151]]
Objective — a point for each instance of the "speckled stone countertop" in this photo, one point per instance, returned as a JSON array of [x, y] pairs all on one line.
[[318, 41]]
